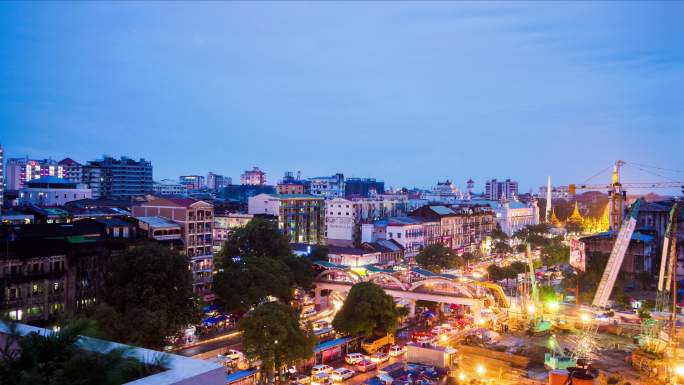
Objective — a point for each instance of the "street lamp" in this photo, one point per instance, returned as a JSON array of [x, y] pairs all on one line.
[[480, 370]]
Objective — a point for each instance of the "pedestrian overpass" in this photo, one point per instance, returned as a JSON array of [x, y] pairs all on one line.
[[411, 285]]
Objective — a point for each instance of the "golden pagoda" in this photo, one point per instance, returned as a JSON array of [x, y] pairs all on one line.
[[598, 225], [555, 222], [575, 217]]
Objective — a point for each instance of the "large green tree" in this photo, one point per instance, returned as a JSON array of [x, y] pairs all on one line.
[[58, 359], [255, 262], [438, 257], [147, 295], [367, 311], [272, 334]]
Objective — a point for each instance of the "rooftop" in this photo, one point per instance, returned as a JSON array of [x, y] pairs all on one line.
[[158, 222]]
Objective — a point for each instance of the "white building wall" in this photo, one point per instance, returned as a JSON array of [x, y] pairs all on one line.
[[263, 204], [340, 221], [52, 196]]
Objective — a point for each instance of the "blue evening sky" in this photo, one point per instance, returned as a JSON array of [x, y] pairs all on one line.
[[408, 92]]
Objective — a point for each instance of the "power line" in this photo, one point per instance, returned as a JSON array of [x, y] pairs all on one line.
[[598, 173]]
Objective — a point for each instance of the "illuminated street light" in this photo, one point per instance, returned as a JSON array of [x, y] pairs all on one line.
[[530, 309], [553, 306], [585, 317], [444, 338], [461, 376], [679, 370], [480, 370]]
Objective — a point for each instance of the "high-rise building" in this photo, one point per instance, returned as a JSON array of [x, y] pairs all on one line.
[[71, 170], [192, 182], [327, 186], [217, 182], [253, 177], [498, 190], [363, 187], [196, 219], [20, 170], [114, 178]]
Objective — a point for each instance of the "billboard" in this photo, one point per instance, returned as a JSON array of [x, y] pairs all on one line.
[[578, 257]]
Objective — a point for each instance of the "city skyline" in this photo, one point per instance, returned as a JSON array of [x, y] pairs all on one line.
[[403, 93]]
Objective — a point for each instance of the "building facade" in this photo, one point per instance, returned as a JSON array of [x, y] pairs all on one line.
[[196, 220], [20, 170], [216, 182], [327, 186], [225, 224], [497, 190], [253, 177], [47, 270], [557, 192], [363, 187], [52, 191], [168, 187], [301, 218], [113, 178], [192, 182], [71, 170]]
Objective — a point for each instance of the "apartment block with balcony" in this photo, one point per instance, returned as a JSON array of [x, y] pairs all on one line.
[[196, 219], [301, 217], [115, 178], [18, 171], [225, 224]]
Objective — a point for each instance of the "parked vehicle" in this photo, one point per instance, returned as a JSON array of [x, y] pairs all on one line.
[[396, 350], [379, 357], [321, 369], [321, 324], [353, 358], [234, 354], [321, 379], [300, 379], [309, 313], [375, 345], [366, 366], [341, 374]]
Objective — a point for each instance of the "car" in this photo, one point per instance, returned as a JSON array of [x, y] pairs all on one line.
[[308, 313], [437, 330], [341, 374], [396, 350], [366, 365], [322, 324], [353, 358], [234, 354], [379, 357], [300, 379], [321, 378], [321, 369]]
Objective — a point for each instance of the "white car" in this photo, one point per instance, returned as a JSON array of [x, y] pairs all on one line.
[[341, 374], [300, 379], [234, 354], [396, 350], [379, 357], [353, 358], [321, 369], [320, 379]]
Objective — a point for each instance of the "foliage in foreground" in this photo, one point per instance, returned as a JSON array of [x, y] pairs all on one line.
[[57, 359]]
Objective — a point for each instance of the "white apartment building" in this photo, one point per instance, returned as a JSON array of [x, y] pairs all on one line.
[[224, 224], [169, 187], [344, 216], [512, 215], [52, 191]]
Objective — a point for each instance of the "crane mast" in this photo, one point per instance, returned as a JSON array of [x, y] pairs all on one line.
[[617, 255]]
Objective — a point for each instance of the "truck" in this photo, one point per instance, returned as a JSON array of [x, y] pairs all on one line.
[[431, 355], [375, 345]]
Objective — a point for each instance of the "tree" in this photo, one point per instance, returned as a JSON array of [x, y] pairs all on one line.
[[502, 247], [256, 262], [57, 359], [367, 311], [438, 257], [555, 254], [319, 253], [259, 238], [243, 283], [147, 296], [272, 334]]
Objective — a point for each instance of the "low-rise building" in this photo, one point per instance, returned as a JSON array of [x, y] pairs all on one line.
[[52, 191], [363, 187], [327, 186], [169, 187], [253, 177], [301, 217], [638, 257], [192, 182], [224, 224], [161, 230]]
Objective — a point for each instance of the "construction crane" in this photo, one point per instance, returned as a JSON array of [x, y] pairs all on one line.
[[617, 193], [617, 255]]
